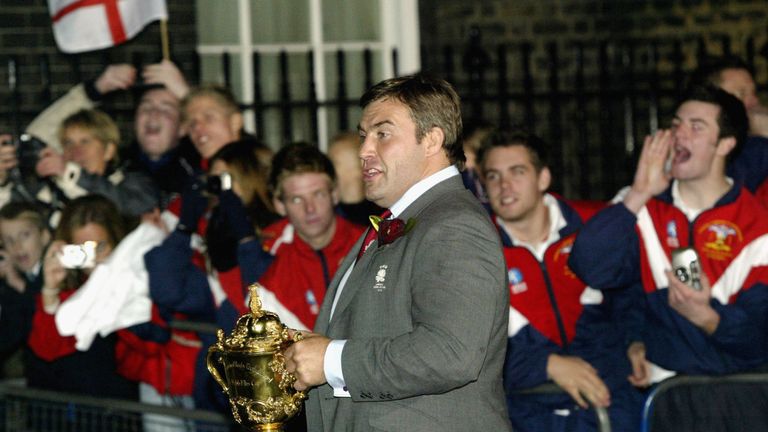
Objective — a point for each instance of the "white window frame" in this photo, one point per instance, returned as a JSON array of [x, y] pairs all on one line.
[[399, 23]]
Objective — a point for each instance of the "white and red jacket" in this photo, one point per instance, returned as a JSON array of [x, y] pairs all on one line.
[[299, 275], [731, 239]]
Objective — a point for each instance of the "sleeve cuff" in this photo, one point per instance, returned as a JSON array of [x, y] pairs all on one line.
[[332, 368], [91, 91]]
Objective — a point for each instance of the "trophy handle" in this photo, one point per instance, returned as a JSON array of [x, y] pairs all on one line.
[[211, 361]]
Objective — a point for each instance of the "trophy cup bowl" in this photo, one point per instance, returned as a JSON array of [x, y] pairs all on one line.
[[250, 368]]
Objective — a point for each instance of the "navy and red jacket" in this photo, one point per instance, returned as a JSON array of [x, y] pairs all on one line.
[[553, 312], [616, 247], [750, 165], [299, 274], [181, 289]]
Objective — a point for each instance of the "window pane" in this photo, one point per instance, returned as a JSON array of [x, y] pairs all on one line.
[[216, 24], [350, 20], [354, 85], [270, 72], [279, 21]]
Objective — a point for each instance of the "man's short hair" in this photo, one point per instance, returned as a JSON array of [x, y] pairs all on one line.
[[25, 210], [432, 102], [732, 118], [710, 70], [537, 149], [97, 122], [298, 158], [220, 94]]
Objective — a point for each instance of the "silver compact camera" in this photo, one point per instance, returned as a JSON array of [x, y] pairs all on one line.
[[686, 267], [216, 184], [78, 256]]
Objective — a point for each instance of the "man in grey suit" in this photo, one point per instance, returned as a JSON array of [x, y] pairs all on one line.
[[412, 332]]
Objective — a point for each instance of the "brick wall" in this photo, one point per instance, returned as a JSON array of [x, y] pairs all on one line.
[[596, 130], [448, 22], [26, 36]]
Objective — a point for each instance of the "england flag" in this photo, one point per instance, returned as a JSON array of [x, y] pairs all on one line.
[[86, 25]]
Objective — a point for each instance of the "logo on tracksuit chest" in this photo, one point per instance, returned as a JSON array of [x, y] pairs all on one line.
[[672, 240], [516, 283], [721, 237]]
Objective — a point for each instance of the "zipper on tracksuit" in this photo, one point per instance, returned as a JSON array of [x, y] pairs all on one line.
[[553, 302]]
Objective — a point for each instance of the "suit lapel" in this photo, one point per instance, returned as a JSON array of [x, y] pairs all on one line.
[[354, 282]]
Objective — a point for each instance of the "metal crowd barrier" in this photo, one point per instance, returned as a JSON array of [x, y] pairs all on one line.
[[603, 421], [704, 384], [31, 410]]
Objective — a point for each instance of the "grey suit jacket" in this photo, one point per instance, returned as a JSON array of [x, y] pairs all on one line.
[[425, 319]]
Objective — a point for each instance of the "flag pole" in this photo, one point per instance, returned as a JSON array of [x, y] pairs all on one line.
[[164, 38]]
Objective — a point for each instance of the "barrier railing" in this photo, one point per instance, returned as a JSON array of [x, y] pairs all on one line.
[[26, 410], [603, 421], [708, 386]]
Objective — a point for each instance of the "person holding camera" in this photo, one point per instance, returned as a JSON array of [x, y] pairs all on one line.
[[160, 149], [90, 228], [200, 270], [89, 164], [681, 197]]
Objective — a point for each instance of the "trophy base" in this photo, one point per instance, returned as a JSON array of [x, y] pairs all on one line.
[[269, 427]]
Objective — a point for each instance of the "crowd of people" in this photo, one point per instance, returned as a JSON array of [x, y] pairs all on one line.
[[500, 286]]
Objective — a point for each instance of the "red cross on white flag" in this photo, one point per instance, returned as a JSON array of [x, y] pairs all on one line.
[[86, 25]]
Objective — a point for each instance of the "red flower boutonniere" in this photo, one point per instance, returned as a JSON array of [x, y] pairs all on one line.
[[391, 229]]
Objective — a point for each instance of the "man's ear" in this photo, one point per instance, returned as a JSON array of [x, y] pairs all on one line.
[[46, 236], [279, 206], [433, 141], [725, 145], [110, 151], [335, 195], [236, 123], [545, 179]]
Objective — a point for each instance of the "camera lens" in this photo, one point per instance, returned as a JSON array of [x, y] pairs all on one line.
[[682, 274]]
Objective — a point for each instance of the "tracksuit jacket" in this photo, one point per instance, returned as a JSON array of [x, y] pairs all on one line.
[[299, 275], [554, 312], [731, 239]]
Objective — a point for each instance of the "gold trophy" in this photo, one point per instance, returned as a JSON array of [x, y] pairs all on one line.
[[254, 378]]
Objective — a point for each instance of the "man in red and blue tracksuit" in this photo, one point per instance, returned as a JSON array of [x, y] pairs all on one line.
[[723, 327], [560, 329]]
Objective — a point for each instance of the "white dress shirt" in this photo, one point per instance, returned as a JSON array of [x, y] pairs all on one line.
[[332, 360]]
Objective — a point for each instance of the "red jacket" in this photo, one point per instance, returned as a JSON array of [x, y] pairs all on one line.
[[299, 275], [44, 339]]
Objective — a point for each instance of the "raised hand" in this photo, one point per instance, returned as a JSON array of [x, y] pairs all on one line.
[[51, 163], [167, 74], [8, 159], [10, 274], [115, 77], [651, 177]]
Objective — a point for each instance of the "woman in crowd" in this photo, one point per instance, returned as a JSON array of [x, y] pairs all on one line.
[[228, 211], [93, 224]]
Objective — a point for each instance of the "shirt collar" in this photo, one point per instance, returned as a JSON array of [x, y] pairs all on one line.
[[677, 200], [557, 222], [420, 188]]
